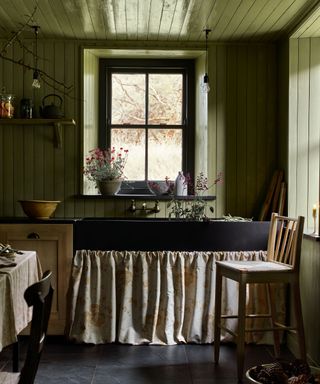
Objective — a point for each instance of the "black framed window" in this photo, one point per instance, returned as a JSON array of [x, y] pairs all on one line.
[[147, 107]]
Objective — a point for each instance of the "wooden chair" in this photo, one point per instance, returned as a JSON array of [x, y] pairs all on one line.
[[282, 266], [39, 296]]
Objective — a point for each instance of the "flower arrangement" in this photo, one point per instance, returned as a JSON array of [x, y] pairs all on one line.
[[105, 164], [163, 187], [194, 209]]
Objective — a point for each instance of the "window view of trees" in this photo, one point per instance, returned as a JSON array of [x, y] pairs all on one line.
[[146, 119]]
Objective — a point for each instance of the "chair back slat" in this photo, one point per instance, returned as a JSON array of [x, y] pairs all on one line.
[[272, 243], [279, 242], [290, 254], [286, 241], [285, 237]]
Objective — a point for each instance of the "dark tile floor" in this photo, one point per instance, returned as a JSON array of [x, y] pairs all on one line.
[[67, 363]]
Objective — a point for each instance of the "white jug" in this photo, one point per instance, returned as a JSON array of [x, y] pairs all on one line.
[[180, 185]]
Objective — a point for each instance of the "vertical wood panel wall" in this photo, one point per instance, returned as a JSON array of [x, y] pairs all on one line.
[[246, 125], [241, 131], [304, 130]]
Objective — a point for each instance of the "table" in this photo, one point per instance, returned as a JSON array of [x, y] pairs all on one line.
[[151, 297], [14, 280]]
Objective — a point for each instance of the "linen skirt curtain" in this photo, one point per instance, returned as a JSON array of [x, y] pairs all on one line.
[[152, 297]]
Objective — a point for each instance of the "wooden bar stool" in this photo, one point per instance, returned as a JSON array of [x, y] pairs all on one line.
[[282, 266]]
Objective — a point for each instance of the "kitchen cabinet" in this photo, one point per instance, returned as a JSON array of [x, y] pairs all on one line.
[[54, 246]]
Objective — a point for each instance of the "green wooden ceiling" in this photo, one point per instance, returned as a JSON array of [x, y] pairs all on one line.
[[157, 20]]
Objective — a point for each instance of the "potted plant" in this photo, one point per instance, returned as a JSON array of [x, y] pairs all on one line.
[[106, 168], [194, 209]]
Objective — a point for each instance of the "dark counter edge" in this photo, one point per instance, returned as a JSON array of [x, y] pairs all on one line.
[[27, 220], [143, 197], [57, 220], [72, 220]]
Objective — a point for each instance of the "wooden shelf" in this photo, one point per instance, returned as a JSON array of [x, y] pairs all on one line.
[[57, 123]]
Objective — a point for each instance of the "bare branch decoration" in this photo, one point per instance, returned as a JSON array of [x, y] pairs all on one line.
[[16, 34], [44, 76]]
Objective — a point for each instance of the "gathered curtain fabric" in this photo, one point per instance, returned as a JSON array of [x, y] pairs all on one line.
[[152, 297]]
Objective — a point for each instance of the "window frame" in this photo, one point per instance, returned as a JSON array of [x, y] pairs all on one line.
[[186, 67]]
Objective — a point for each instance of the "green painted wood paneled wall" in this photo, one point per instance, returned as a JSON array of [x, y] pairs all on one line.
[[241, 129], [243, 117], [303, 175], [304, 129]]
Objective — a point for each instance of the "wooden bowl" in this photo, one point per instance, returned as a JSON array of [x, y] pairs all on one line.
[[39, 209]]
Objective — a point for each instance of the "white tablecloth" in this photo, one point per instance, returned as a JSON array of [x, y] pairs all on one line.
[[14, 312], [151, 297]]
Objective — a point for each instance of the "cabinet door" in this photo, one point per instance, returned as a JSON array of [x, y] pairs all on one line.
[[54, 246]]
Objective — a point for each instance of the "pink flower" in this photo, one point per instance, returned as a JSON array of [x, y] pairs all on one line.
[[105, 164]]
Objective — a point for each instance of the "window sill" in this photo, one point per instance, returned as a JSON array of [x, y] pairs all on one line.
[[312, 236], [144, 197]]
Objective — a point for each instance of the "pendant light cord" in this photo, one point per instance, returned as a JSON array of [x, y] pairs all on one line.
[[36, 28], [207, 31], [36, 82]]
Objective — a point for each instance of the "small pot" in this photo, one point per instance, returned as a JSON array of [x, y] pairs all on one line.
[[109, 187]]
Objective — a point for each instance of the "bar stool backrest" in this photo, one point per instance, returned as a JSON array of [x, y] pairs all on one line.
[[284, 242]]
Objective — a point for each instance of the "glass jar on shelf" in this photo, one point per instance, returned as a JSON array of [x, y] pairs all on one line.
[[26, 108], [6, 106]]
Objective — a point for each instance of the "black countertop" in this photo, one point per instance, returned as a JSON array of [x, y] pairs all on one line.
[[124, 233], [164, 234]]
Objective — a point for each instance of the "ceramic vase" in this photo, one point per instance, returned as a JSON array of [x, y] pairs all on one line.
[[109, 187], [180, 185]]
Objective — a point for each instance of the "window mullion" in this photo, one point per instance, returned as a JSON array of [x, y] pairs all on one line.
[[146, 124]]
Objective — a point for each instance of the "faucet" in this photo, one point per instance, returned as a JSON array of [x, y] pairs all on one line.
[[144, 208]]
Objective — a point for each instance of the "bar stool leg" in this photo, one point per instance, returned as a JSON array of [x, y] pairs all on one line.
[[241, 329], [299, 320], [217, 315], [273, 311]]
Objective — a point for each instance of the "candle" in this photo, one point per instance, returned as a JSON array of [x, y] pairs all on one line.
[[314, 215]]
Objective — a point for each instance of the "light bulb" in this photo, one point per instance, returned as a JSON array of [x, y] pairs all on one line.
[[36, 82], [205, 87]]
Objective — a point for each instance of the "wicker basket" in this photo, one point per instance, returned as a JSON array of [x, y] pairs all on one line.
[[315, 371]]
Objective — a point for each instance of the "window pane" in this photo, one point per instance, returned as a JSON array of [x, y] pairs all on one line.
[[165, 153], [165, 99], [133, 140], [128, 99]]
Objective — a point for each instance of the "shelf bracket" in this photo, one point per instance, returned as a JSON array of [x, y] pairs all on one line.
[[58, 131], [58, 135]]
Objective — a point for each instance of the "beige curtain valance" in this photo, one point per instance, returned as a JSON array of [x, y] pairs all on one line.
[[158, 297]]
